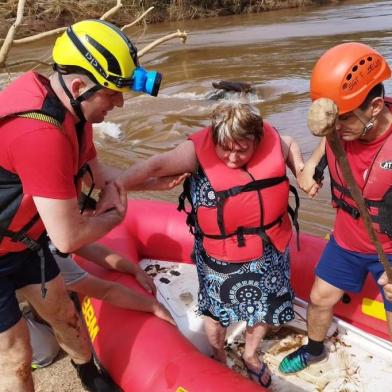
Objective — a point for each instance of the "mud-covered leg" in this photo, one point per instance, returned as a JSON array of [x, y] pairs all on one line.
[[59, 311], [15, 359]]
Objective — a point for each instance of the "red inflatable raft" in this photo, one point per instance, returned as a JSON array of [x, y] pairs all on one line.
[[145, 354]]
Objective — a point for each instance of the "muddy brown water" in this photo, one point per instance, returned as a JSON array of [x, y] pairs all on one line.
[[274, 51]]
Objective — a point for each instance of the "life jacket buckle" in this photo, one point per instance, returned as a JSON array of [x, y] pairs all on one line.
[[355, 213], [240, 237], [26, 240]]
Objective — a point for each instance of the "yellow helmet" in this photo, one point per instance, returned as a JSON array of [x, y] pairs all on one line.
[[99, 49]]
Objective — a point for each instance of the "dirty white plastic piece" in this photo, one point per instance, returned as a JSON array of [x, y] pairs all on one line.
[[358, 362], [177, 289]]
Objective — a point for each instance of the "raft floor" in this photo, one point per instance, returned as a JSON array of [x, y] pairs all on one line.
[[357, 362]]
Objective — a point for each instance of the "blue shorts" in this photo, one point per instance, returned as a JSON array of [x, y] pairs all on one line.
[[16, 271], [348, 270]]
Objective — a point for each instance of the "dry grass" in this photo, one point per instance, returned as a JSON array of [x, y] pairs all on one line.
[[41, 15]]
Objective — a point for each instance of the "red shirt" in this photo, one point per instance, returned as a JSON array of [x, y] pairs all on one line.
[[44, 157], [351, 233]]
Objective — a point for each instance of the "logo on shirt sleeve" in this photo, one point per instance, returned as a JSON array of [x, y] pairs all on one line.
[[386, 165]]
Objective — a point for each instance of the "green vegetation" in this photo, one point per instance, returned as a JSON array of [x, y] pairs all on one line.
[[41, 15]]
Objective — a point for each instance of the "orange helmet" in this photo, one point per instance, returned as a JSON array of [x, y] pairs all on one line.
[[346, 73]]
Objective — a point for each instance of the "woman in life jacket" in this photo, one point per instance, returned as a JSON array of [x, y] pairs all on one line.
[[238, 191]]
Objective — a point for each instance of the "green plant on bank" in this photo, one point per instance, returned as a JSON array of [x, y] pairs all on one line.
[[42, 15]]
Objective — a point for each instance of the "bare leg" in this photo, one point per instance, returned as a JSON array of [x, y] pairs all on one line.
[[389, 322], [58, 310], [216, 337], [15, 359], [254, 335], [323, 298]]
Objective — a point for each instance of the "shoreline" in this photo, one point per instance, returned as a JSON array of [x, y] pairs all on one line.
[[49, 15]]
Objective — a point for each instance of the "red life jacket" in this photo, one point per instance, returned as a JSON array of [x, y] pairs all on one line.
[[377, 191], [29, 96], [252, 202]]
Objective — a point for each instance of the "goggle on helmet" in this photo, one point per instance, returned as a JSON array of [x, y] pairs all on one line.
[[106, 54]]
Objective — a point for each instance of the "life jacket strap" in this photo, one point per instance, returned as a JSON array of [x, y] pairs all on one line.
[[251, 186], [191, 215], [318, 175], [384, 214], [33, 245], [241, 231], [21, 235], [42, 270], [256, 185], [343, 205], [293, 212]]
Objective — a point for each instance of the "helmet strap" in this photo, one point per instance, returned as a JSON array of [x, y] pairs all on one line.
[[76, 102]]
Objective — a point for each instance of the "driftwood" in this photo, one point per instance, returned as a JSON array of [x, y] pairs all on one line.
[[225, 88], [138, 19], [9, 40], [5, 48], [59, 30], [322, 119], [180, 34]]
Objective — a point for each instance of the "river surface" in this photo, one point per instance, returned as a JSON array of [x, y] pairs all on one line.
[[274, 51]]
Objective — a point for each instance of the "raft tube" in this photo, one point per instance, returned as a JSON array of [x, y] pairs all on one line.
[[143, 353]]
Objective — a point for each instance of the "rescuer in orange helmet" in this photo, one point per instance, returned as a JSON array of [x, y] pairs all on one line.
[[350, 74]]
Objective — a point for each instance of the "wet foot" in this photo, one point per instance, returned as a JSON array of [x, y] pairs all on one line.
[[219, 356], [257, 371]]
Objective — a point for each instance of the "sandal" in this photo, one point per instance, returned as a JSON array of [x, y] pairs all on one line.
[[257, 376]]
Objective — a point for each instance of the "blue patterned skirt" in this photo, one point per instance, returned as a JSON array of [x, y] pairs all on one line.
[[257, 291]]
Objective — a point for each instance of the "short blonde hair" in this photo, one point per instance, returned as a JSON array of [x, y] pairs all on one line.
[[234, 121]]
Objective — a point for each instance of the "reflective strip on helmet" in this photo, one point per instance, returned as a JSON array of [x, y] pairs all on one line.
[[113, 65], [118, 81]]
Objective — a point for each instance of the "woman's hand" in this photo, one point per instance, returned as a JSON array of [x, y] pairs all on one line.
[[306, 182], [305, 178]]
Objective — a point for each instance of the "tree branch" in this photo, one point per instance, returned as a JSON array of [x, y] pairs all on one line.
[[5, 48], [180, 34], [35, 61], [112, 10], [138, 19], [38, 36], [9, 40], [59, 30]]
